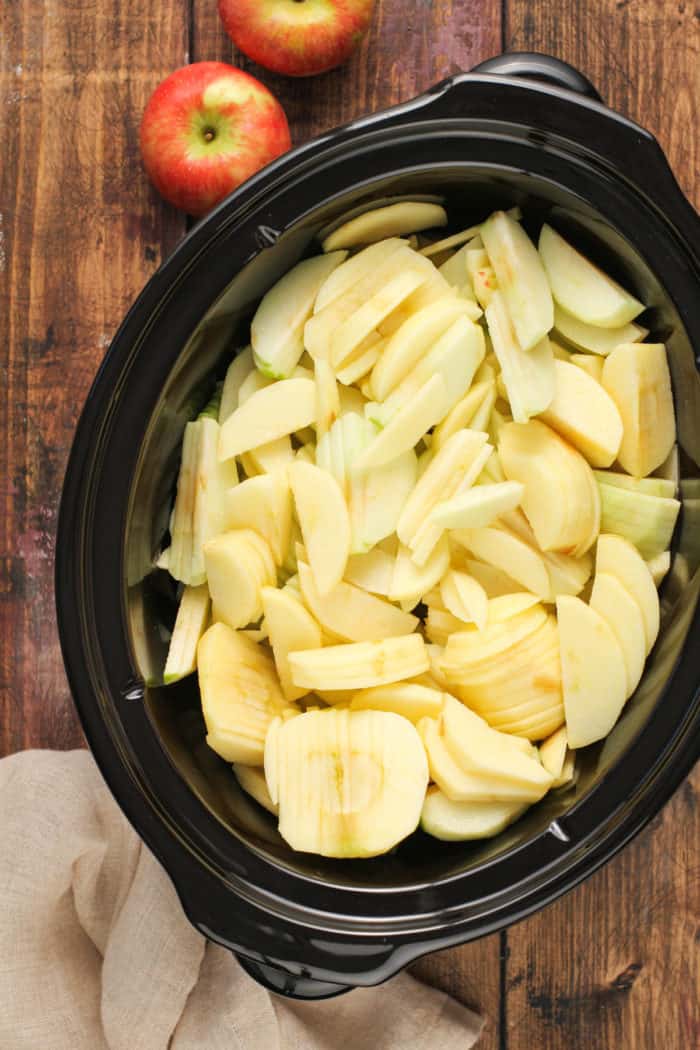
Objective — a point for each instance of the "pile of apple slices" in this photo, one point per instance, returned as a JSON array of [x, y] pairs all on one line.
[[418, 530]]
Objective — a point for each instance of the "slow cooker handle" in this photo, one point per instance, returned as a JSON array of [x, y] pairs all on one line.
[[533, 66], [292, 986]]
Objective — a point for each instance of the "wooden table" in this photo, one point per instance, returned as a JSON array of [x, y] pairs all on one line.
[[614, 964]]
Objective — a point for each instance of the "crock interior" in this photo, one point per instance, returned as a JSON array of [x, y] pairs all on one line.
[[150, 596]]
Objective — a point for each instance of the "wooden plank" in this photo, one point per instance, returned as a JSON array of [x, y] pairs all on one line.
[[643, 56], [80, 232], [410, 46]]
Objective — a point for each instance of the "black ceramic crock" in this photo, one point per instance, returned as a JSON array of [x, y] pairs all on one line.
[[520, 129]]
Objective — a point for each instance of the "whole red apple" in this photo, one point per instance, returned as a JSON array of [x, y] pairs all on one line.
[[296, 37], [206, 128]]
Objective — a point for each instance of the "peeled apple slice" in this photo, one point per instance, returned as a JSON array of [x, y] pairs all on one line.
[[360, 665], [648, 486], [403, 698], [493, 580], [410, 581], [377, 498], [263, 504], [253, 782], [581, 288], [327, 398], [528, 375], [239, 564], [362, 323], [616, 605], [290, 628], [190, 624], [596, 340], [240, 694], [277, 329], [354, 269], [349, 613], [240, 367], [521, 278], [465, 598], [440, 624], [478, 507], [371, 571], [279, 409], [455, 272], [646, 521], [458, 784], [467, 648], [408, 426], [583, 413], [322, 513], [593, 672], [636, 377], [591, 365], [462, 414], [620, 558], [659, 566], [348, 783], [462, 821], [508, 553], [273, 456], [393, 220], [553, 753]]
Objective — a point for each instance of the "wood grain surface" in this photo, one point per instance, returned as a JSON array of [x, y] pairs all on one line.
[[614, 965]]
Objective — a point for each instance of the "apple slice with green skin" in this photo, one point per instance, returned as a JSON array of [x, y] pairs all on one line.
[[277, 328], [411, 422], [253, 782], [274, 412], [240, 367], [240, 694], [478, 507], [452, 821], [583, 413], [616, 605], [371, 571], [581, 289], [646, 521], [636, 377], [408, 699], [592, 366], [351, 614], [263, 504], [290, 628], [595, 340], [355, 269], [617, 556], [190, 624], [393, 220], [593, 672], [322, 513], [253, 382], [649, 486], [659, 566], [528, 375], [239, 564], [411, 341], [521, 278], [410, 581], [359, 665], [465, 598], [348, 783], [508, 553]]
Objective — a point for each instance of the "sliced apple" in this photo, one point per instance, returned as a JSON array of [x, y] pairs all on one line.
[[616, 605], [509, 553], [190, 624], [322, 512], [277, 329], [637, 378], [351, 614], [392, 220], [452, 821], [591, 365], [659, 566], [440, 624], [494, 581], [290, 628], [240, 367], [553, 753], [601, 341], [372, 571], [454, 270], [410, 581], [646, 521], [485, 285], [580, 288], [620, 558], [411, 341], [239, 564], [521, 278], [253, 782], [583, 413], [377, 498], [561, 501], [250, 385], [361, 363], [360, 665], [355, 269], [327, 398], [271, 457], [240, 694], [478, 507], [593, 672], [349, 334], [263, 504], [649, 486], [404, 431], [465, 598], [506, 606], [273, 412], [469, 647], [408, 699], [528, 375], [462, 414]]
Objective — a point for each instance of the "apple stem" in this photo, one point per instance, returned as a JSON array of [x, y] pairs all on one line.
[[209, 134]]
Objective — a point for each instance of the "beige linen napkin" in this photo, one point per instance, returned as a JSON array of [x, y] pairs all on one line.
[[96, 953]]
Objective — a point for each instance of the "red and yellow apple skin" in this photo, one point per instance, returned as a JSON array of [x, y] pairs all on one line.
[[298, 38], [206, 129]]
